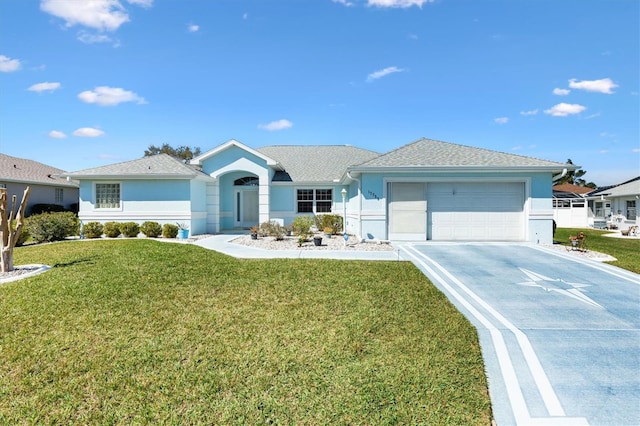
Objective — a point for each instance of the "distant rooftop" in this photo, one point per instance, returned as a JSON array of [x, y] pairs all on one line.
[[21, 170]]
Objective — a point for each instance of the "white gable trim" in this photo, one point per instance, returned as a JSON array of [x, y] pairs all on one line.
[[198, 160]]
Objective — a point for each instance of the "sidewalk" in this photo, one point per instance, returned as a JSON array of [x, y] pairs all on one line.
[[222, 244]]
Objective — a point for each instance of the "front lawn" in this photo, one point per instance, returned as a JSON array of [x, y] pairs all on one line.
[[144, 332], [626, 250]]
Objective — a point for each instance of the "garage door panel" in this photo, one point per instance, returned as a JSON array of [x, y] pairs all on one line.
[[476, 211]]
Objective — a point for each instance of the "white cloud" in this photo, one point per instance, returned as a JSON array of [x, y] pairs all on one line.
[[601, 86], [9, 65], [109, 96], [102, 15], [88, 38], [344, 2], [531, 112], [501, 120], [564, 109], [88, 132], [635, 150], [245, 16], [56, 134], [398, 3], [604, 151], [44, 87], [561, 92], [379, 74], [193, 28], [276, 125]]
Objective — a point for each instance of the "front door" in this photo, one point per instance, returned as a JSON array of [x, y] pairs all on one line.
[[246, 208]]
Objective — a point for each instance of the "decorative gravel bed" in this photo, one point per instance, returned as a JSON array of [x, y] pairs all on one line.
[[589, 254], [336, 242]]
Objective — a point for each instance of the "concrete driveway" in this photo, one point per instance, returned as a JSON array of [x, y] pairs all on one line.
[[560, 336]]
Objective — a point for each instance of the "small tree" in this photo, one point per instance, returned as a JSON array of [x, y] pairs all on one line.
[[9, 233]]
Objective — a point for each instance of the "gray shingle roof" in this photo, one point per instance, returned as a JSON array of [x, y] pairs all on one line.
[[152, 166], [628, 188], [14, 169], [316, 163], [431, 153]]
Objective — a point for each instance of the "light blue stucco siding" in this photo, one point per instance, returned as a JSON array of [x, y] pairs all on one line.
[[158, 200], [198, 192], [367, 214], [230, 156]]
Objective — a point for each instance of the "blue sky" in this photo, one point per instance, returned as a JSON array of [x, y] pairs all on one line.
[[88, 83]]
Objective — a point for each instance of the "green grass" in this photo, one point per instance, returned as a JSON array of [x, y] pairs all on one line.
[[144, 332], [626, 250]]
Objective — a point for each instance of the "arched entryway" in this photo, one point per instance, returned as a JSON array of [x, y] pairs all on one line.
[[246, 201]]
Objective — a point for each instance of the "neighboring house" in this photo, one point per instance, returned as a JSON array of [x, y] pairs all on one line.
[[616, 204], [570, 209], [47, 187], [425, 190]]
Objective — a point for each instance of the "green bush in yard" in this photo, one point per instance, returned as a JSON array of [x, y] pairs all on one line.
[[333, 221], [302, 226], [92, 230], [111, 229], [169, 230], [130, 229], [151, 229], [47, 227]]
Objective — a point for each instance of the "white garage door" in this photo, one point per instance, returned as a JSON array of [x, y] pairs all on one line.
[[456, 211], [485, 211]]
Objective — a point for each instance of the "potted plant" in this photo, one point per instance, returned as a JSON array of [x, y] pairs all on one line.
[[254, 232], [328, 231], [183, 231], [317, 240]]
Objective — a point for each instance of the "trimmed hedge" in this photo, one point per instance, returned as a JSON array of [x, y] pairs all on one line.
[[169, 230], [111, 229], [92, 230], [130, 229], [151, 229]]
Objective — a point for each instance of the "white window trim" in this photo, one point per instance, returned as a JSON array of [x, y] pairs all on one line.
[[95, 197]]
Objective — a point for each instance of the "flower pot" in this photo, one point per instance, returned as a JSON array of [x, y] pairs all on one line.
[[317, 241], [183, 234]]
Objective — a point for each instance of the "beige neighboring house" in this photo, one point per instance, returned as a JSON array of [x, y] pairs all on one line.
[[47, 187]]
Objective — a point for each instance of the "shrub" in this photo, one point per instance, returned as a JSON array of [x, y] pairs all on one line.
[[151, 229], [130, 229], [53, 226], [332, 221], [111, 229], [169, 230], [46, 208], [92, 230], [272, 229], [302, 226]]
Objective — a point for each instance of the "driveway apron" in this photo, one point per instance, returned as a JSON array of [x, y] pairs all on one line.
[[560, 336]]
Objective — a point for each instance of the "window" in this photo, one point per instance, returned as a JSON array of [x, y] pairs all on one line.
[[631, 209], [315, 200], [247, 181], [59, 196], [107, 195], [561, 204], [3, 185]]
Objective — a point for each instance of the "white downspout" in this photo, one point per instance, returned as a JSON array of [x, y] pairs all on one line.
[[560, 176], [359, 204]]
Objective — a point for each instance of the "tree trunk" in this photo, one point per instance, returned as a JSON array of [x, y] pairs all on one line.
[[8, 235]]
